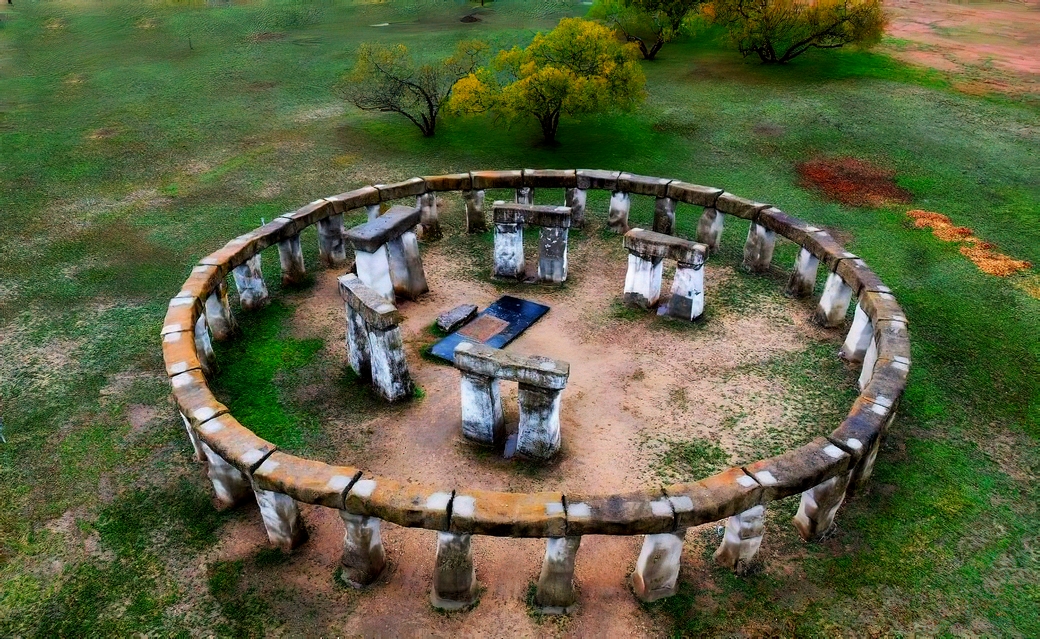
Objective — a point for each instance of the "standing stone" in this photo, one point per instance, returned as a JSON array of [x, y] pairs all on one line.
[[482, 417], [687, 301], [552, 254], [372, 211], [204, 346], [428, 217], [742, 539], [858, 341], [374, 270], [803, 279], [454, 578], [290, 258], [758, 250], [575, 199], [617, 217], [230, 485], [252, 291], [332, 250], [363, 557], [664, 215], [390, 376], [869, 360], [556, 594], [475, 221], [196, 443], [406, 267], [358, 353], [834, 303], [524, 195], [538, 435], [865, 468], [281, 518], [709, 228], [218, 313], [509, 251], [643, 281], [657, 569], [815, 517]]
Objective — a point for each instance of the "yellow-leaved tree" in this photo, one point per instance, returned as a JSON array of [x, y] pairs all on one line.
[[779, 30], [578, 67]]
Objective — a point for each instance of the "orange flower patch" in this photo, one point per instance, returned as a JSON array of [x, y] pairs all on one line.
[[983, 254], [852, 182]]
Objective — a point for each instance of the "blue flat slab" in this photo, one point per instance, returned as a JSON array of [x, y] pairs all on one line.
[[496, 326]]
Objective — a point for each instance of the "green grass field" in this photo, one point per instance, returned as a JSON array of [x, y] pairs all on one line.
[[137, 137]]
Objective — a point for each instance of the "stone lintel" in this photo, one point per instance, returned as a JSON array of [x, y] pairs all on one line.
[[235, 443], [713, 498], [737, 206], [538, 371], [827, 249], [550, 178], [278, 229], [643, 185], [799, 470], [861, 428], [638, 513], [531, 214], [881, 306], [789, 226], [859, 277], [887, 382], [893, 341], [311, 213], [405, 504], [482, 512], [693, 193], [368, 237], [305, 480], [597, 179], [653, 245], [204, 279], [194, 397], [377, 312], [496, 179], [228, 256], [179, 352], [450, 182], [410, 187], [343, 202], [182, 313]]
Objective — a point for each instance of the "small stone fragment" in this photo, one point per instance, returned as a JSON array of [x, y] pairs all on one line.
[[452, 320]]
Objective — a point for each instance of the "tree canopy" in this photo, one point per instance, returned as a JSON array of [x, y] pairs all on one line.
[[647, 23], [578, 67]]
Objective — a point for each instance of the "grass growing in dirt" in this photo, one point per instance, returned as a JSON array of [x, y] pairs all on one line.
[[136, 137]]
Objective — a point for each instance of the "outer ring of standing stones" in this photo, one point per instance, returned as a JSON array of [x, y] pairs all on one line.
[[243, 466]]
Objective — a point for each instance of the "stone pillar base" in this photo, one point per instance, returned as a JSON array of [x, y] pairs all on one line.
[[218, 313], [742, 539], [390, 376], [552, 254], [363, 557], [858, 341], [709, 229], [358, 353], [815, 517], [575, 199], [196, 443], [509, 251], [252, 291], [482, 418], [556, 594], [643, 281], [373, 269], [664, 215], [687, 301], [803, 279], [538, 436], [657, 569], [475, 221], [524, 195], [281, 518], [230, 485], [204, 346], [454, 578], [331, 247], [406, 268], [834, 303], [617, 217], [869, 360], [290, 258], [758, 250], [372, 211], [429, 219]]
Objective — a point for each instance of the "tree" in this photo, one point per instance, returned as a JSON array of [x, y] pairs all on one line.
[[780, 30], [578, 67], [388, 79], [647, 21]]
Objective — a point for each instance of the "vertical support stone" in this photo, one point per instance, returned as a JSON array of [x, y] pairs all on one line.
[[252, 291], [758, 250], [538, 435], [556, 594], [687, 301], [390, 376], [363, 557], [575, 199], [428, 217], [742, 539], [860, 475], [475, 221], [657, 569], [358, 353], [332, 250], [524, 195], [664, 215], [617, 216], [815, 517], [230, 485], [709, 228], [858, 341], [406, 268], [374, 270], [834, 302], [803, 279], [282, 519], [869, 360], [372, 211], [643, 281], [204, 346], [454, 578], [552, 254], [290, 258], [196, 443], [482, 417], [509, 251], [218, 313]]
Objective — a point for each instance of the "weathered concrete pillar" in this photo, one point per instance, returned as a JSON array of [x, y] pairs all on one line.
[[406, 267], [218, 313], [657, 569], [372, 211], [482, 417], [196, 443], [332, 250], [575, 198], [834, 303], [282, 519], [664, 215], [290, 258], [252, 291], [858, 341], [552, 254], [869, 360], [204, 346], [374, 270], [454, 578], [363, 557], [643, 281], [815, 516], [390, 376], [357, 345], [475, 221], [742, 539], [556, 594], [709, 228], [803, 279], [509, 251], [687, 301], [524, 195], [538, 435], [860, 474], [428, 217], [758, 250], [230, 485], [617, 216]]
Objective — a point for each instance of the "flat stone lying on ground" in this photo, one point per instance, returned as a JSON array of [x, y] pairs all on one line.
[[450, 321]]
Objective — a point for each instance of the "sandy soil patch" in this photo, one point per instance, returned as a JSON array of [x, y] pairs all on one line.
[[983, 254]]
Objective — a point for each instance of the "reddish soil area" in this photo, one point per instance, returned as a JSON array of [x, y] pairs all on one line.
[[982, 254], [852, 182]]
